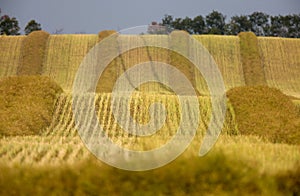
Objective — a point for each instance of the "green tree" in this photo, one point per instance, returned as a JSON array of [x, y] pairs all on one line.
[[260, 23], [294, 29], [32, 26], [187, 25], [198, 25], [278, 27], [215, 23], [167, 21], [238, 24], [290, 26], [9, 26], [177, 24]]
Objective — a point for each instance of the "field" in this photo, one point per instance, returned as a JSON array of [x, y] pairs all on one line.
[[10, 48], [281, 63], [64, 54], [57, 162], [226, 53]]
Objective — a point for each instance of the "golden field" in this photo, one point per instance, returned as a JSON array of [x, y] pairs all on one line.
[[243, 161]]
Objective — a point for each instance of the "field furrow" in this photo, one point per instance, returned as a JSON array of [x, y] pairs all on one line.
[[10, 55], [281, 62], [226, 52], [64, 54], [57, 139]]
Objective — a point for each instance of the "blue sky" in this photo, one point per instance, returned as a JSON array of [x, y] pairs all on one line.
[[92, 16]]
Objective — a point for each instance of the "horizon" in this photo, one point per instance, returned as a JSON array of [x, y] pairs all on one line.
[[56, 15]]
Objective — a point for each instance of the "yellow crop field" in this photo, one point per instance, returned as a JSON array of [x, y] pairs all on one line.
[[10, 54], [281, 61], [60, 143], [63, 123], [40, 151], [226, 52], [33, 52], [64, 54], [141, 55], [133, 57], [46, 151], [297, 103], [243, 160]]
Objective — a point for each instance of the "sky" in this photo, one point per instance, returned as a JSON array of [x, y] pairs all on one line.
[[92, 16]]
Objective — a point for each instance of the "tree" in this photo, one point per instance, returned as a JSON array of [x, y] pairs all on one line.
[[177, 24], [215, 23], [278, 29], [167, 21], [238, 24], [294, 29], [187, 25], [198, 25], [32, 26], [9, 26], [260, 23]]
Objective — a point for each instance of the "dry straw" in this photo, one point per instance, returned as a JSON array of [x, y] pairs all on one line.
[[226, 52], [33, 52], [265, 112], [281, 62], [64, 53], [251, 59], [104, 34], [26, 104], [10, 55]]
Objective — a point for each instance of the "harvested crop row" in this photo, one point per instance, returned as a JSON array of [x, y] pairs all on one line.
[[42, 150], [133, 57], [226, 52], [152, 54], [45, 151], [63, 123], [33, 53], [64, 54], [251, 59], [280, 58], [10, 55]]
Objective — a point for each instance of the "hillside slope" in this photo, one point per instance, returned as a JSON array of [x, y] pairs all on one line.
[[280, 58], [10, 54], [281, 62]]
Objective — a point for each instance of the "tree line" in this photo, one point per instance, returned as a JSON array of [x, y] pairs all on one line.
[[260, 23], [10, 26]]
